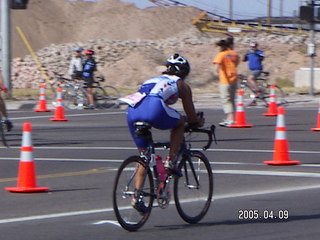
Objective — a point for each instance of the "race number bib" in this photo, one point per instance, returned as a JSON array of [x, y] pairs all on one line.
[[133, 99]]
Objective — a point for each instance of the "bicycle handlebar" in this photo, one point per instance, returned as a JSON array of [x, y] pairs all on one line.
[[210, 132]]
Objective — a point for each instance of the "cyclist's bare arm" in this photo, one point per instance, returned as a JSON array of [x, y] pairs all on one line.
[[188, 106]]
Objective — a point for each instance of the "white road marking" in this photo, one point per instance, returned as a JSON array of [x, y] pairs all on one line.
[[103, 210], [69, 115]]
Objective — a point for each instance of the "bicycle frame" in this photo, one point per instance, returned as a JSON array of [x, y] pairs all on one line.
[[138, 183]]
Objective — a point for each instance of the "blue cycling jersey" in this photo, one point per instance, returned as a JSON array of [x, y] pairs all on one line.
[[89, 67], [254, 59], [153, 108]]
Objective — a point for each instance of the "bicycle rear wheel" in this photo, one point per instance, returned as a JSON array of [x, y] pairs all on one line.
[[193, 191], [112, 95], [125, 192], [99, 96]]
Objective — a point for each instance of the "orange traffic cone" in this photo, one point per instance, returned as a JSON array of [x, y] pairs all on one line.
[[317, 128], [42, 106], [59, 111], [240, 114], [272, 108], [281, 146], [27, 173]]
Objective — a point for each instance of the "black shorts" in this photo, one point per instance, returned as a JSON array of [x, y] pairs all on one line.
[[89, 81], [77, 75]]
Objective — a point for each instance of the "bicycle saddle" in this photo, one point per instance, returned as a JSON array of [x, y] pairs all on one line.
[[142, 128]]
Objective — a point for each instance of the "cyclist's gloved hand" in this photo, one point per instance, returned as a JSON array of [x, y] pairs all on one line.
[[199, 123], [4, 89], [200, 119]]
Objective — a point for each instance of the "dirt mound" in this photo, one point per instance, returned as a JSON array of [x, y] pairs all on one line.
[[60, 21], [131, 43]]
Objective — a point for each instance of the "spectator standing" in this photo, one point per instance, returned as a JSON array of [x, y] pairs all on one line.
[[254, 57], [76, 64], [89, 67], [225, 63]]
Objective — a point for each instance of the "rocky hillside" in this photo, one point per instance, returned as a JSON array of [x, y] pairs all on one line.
[[132, 44]]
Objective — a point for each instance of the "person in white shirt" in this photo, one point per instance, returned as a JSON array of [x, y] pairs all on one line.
[[76, 64]]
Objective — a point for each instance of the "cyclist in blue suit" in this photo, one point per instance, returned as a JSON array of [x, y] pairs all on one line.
[[152, 102]]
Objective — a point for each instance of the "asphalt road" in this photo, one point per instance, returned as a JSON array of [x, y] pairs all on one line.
[[78, 159]]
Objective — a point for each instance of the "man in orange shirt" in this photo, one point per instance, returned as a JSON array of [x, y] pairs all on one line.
[[226, 62]]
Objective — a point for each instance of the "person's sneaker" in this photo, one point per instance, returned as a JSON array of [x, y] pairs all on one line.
[[138, 204], [8, 124], [226, 123], [172, 168], [252, 104], [90, 106]]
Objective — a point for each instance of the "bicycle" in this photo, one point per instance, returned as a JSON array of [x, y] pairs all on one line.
[[195, 186], [3, 128], [75, 94], [264, 87]]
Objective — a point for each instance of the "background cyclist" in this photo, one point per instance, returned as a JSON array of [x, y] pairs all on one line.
[[254, 57], [89, 67]]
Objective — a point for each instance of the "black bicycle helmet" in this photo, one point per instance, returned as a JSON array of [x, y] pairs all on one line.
[[177, 65]]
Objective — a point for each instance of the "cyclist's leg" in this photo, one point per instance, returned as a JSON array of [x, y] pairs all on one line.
[[161, 117], [252, 80], [89, 83], [176, 138]]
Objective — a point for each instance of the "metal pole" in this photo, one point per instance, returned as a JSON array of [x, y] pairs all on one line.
[[231, 9], [5, 45], [269, 11], [312, 53]]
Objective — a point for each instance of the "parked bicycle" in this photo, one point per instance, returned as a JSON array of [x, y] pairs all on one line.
[[75, 95], [264, 87], [192, 192]]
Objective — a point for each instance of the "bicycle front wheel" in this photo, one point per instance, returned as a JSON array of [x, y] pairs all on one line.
[[248, 96], [193, 191], [73, 98], [127, 189]]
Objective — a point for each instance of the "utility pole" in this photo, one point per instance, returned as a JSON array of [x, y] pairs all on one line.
[[269, 11], [281, 8], [312, 52], [5, 45], [231, 9]]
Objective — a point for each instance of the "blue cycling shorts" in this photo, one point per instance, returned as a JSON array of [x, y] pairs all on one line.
[[153, 110], [256, 73]]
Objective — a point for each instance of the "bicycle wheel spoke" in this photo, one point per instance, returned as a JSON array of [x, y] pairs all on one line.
[[193, 191], [127, 199]]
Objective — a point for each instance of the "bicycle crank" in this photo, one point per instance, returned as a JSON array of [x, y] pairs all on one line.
[[163, 195]]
